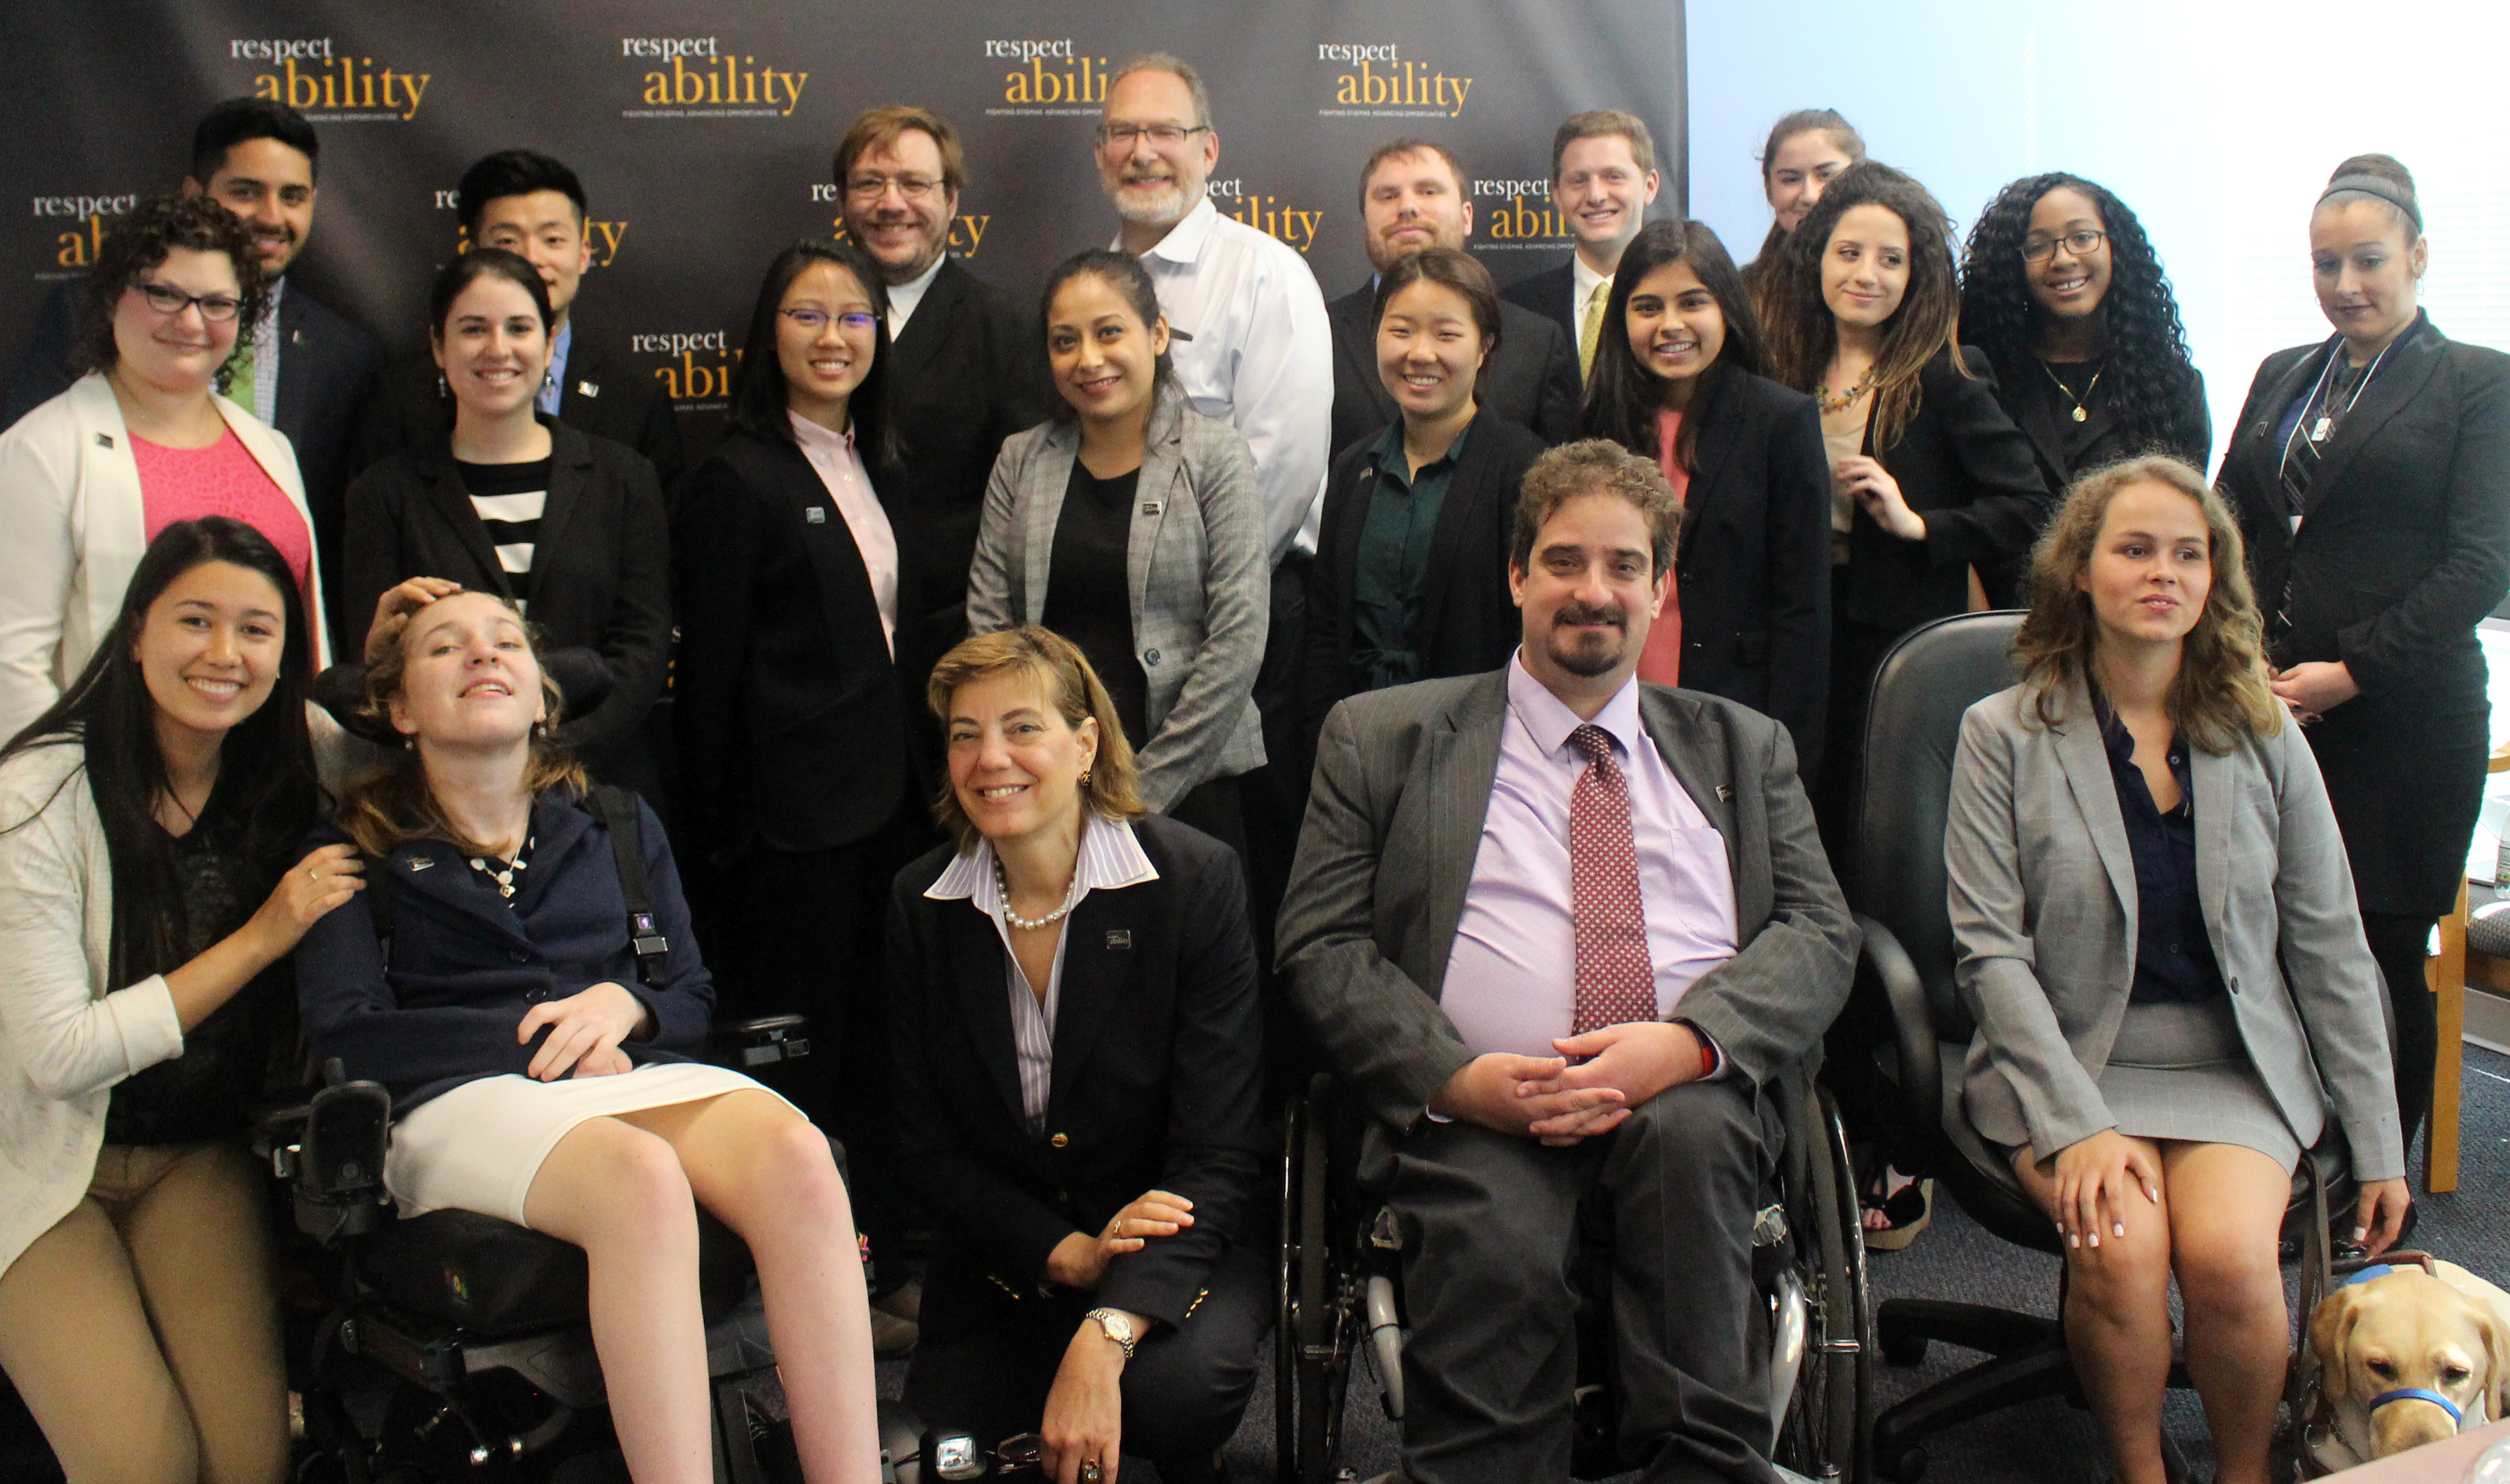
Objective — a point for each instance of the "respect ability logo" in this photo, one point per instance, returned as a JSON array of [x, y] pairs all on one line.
[[331, 88], [699, 79]]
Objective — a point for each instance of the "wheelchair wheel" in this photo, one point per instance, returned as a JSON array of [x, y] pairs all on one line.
[[1823, 1436], [1317, 1325]]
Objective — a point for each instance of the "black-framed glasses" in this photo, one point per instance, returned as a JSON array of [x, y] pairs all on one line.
[[2082, 243], [169, 301], [873, 187], [817, 320], [1164, 134]]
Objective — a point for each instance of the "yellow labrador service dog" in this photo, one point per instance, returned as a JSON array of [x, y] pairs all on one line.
[[2407, 1357]]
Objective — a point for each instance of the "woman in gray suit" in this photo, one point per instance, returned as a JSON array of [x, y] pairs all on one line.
[[1130, 525], [2159, 946]]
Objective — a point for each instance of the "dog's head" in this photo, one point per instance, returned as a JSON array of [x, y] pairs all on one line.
[[2410, 1332]]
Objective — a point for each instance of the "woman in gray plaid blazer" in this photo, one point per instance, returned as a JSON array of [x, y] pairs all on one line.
[[1131, 525], [2159, 946]]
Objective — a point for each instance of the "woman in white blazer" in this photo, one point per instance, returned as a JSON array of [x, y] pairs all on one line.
[[140, 442], [2159, 946], [150, 887], [1130, 525]]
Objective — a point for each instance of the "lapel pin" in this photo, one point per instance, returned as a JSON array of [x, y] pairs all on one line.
[[418, 864], [297, 337], [817, 514], [1120, 937], [588, 389], [1150, 506], [104, 441], [1724, 793]]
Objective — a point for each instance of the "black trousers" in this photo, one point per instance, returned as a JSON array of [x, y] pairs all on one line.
[[1184, 1389], [2398, 942], [1490, 1227]]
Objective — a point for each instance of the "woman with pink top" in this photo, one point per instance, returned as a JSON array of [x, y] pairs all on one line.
[[141, 441]]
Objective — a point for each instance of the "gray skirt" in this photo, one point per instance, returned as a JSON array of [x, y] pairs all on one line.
[[2182, 1071]]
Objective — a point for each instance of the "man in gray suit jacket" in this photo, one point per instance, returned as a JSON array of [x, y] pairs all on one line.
[[1472, 847]]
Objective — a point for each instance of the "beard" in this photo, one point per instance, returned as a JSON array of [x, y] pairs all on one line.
[[1149, 207], [1588, 654]]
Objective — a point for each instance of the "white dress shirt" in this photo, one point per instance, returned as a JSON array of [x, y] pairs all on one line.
[[903, 297], [1259, 357], [1511, 982], [1110, 857], [840, 468]]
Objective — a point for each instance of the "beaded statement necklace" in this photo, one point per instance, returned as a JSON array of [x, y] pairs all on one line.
[[502, 873], [1829, 401]]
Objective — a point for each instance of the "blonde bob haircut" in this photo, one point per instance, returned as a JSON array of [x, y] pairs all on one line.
[[1064, 678], [2220, 693], [391, 805]]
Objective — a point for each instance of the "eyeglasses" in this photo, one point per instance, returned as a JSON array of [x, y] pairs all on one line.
[[2038, 249], [817, 320], [169, 301], [874, 187], [1122, 136]]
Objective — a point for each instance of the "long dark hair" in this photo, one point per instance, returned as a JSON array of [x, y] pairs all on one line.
[[1623, 396], [1123, 273], [1804, 335], [1803, 121], [758, 389], [2148, 364], [266, 779]]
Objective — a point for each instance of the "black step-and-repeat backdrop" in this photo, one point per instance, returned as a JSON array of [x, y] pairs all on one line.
[[703, 129]]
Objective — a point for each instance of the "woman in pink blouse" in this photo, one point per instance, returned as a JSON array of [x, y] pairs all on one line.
[[139, 442]]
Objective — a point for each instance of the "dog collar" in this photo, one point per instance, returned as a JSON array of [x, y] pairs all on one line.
[[2457, 1415], [2364, 1275]]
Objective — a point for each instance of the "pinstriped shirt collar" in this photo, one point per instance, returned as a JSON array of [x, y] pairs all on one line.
[[1110, 857]]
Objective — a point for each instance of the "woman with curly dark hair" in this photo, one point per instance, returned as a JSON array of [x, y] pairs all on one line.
[[2065, 294], [140, 442]]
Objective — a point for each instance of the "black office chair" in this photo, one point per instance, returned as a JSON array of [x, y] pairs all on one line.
[[1929, 679]]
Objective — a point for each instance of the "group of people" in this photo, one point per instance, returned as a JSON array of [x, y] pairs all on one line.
[[1082, 708]]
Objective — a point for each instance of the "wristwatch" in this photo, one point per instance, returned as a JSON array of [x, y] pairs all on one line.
[[1118, 1327]]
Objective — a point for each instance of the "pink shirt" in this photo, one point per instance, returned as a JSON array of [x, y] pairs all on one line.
[[1660, 662], [840, 469], [222, 479], [1511, 982]]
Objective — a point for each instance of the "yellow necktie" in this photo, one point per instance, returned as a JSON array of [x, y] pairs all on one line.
[[1591, 330]]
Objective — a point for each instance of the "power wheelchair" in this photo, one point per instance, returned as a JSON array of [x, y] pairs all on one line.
[[1341, 1297]]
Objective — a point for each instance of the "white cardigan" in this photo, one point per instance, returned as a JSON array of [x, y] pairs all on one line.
[[66, 1036], [76, 529]]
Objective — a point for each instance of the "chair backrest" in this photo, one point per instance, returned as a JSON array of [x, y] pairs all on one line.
[[1928, 679]]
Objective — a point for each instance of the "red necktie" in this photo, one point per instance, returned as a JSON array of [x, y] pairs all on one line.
[[1616, 981]]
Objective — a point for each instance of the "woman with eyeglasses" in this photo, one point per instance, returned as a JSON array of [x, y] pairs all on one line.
[[143, 439], [2064, 294], [2371, 473], [803, 772]]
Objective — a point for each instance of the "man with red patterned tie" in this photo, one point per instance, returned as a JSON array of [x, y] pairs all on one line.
[[1555, 929]]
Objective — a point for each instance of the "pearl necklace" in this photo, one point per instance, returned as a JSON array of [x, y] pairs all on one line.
[[1002, 885]]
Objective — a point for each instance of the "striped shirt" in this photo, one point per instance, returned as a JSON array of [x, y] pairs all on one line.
[[1110, 857], [508, 499]]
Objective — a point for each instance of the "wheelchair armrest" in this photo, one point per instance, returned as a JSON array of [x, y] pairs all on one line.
[[1913, 1023], [763, 1041], [332, 1150]]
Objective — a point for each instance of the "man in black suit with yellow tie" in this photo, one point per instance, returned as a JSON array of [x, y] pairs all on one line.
[[1603, 175]]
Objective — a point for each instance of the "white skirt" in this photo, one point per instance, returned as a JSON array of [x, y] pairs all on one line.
[[478, 1147]]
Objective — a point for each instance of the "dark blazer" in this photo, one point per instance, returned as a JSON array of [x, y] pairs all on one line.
[[2190, 436], [1158, 1063], [2403, 547], [1532, 378], [600, 570], [1752, 571], [1403, 782], [1468, 620], [1963, 466], [1546, 293], [327, 362], [466, 967], [794, 722], [968, 373], [605, 395]]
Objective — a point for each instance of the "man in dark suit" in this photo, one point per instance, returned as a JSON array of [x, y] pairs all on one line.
[[307, 366], [968, 359], [533, 206], [1574, 990], [1603, 175], [1411, 197]]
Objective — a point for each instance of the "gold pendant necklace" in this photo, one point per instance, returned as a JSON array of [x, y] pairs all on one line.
[[2080, 415]]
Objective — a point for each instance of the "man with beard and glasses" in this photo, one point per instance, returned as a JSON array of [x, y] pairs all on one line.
[[1411, 197], [1555, 929], [968, 367]]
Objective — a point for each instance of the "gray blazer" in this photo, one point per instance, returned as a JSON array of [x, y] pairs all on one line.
[[1201, 585], [1395, 820], [2044, 901]]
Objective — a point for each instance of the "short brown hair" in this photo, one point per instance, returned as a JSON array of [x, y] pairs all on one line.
[[1393, 148], [2221, 691], [1602, 123], [1452, 268], [1063, 675], [879, 129], [1597, 467]]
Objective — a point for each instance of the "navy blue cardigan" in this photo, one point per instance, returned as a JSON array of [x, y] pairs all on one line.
[[466, 967]]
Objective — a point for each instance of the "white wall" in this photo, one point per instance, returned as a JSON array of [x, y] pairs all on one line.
[[2217, 121]]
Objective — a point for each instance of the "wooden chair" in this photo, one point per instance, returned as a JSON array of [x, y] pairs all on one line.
[[2447, 973]]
